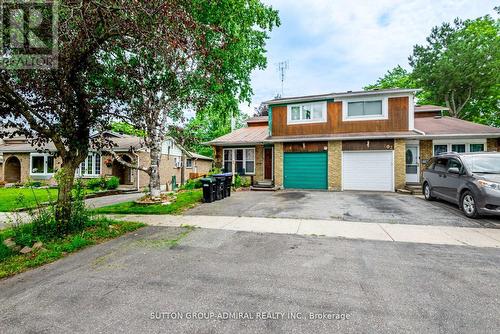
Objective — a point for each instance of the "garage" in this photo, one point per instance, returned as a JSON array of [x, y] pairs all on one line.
[[305, 170], [368, 170]]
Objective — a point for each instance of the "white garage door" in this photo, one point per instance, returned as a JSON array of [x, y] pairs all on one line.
[[366, 170]]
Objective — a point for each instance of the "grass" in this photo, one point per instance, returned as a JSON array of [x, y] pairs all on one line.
[[10, 198], [13, 199], [185, 200], [96, 231]]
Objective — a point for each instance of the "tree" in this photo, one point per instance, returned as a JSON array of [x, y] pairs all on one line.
[[261, 110], [157, 87], [399, 77], [460, 66]]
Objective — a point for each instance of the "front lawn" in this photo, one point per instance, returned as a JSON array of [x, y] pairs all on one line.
[[96, 231], [12, 199], [185, 200]]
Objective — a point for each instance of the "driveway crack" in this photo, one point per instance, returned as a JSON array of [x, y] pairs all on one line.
[[383, 229]]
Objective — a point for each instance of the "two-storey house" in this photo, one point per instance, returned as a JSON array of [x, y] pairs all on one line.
[[367, 140]]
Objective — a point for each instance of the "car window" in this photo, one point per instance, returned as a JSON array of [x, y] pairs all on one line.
[[441, 165], [430, 164], [454, 163]]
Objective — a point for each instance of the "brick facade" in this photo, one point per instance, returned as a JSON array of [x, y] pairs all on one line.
[[399, 163], [278, 164], [335, 165], [493, 145], [425, 154], [259, 163]]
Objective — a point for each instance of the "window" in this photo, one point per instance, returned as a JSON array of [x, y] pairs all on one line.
[[440, 165], [189, 163], [459, 148], [476, 147], [307, 113], [91, 167], [454, 163], [440, 149], [364, 108], [367, 109], [243, 159], [41, 164]]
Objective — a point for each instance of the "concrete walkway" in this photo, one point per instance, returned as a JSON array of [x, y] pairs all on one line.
[[441, 235]]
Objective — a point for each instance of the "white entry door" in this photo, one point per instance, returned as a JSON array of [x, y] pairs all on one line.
[[368, 170], [412, 168]]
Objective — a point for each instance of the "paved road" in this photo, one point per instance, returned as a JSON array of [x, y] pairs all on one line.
[[349, 206], [383, 287], [97, 202]]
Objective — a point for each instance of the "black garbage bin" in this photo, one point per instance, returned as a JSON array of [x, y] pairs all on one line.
[[220, 180], [228, 184], [208, 189]]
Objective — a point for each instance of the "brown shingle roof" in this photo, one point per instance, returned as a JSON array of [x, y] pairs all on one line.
[[429, 107], [449, 125], [250, 135]]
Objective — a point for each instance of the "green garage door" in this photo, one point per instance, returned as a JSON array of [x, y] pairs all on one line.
[[306, 170]]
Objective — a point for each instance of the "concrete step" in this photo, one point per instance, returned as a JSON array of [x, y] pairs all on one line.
[[261, 188], [415, 189]]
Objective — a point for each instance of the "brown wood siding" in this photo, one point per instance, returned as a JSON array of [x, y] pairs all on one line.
[[427, 114], [252, 124], [305, 147], [368, 145], [397, 121]]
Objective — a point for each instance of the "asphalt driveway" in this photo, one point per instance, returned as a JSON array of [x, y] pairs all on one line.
[[378, 287], [349, 206]]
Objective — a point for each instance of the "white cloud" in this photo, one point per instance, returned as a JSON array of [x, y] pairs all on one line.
[[338, 45]]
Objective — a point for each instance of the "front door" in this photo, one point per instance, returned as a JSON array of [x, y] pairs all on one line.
[[268, 163], [412, 168]]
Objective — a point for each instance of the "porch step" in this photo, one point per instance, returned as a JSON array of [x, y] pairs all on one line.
[[261, 188], [415, 189]]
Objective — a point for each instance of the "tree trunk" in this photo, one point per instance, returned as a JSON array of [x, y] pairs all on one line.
[[66, 177], [154, 176], [183, 169]]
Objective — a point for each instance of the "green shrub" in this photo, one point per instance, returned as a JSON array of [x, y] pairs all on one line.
[[215, 170], [192, 184], [94, 184], [237, 181], [5, 251], [35, 184], [241, 181], [112, 183]]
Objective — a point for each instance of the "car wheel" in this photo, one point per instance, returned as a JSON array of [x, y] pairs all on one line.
[[469, 206], [428, 192]]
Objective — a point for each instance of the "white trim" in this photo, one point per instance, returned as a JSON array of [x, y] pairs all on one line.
[[371, 151], [93, 174], [324, 113], [411, 112], [233, 159], [264, 163], [414, 143], [383, 116], [45, 164], [466, 141]]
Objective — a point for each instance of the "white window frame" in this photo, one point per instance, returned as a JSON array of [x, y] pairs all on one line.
[[45, 164], [324, 112], [190, 166], [384, 115], [92, 156], [466, 142], [233, 160]]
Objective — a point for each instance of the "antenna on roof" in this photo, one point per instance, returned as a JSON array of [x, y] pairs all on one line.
[[282, 68]]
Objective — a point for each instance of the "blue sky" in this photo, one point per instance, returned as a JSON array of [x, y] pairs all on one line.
[[340, 45]]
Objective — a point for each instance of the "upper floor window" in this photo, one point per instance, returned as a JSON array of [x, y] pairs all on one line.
[[307, 113], [367, 109]]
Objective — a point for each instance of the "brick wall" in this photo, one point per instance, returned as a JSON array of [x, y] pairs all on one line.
[[335, 165], [399, 163], [278, 164], [24, 159], [217, 156], [259, 163], [425, 154], [493, 145]]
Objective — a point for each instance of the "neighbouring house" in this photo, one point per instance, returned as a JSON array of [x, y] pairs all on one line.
[[366, 140], [22, 161]]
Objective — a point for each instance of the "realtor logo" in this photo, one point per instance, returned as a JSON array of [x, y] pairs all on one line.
[[28, 34]]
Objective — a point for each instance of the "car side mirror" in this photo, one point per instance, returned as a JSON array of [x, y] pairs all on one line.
[[454, 170]]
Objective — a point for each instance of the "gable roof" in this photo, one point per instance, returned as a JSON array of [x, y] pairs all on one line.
[[199, 156], [243, 136]]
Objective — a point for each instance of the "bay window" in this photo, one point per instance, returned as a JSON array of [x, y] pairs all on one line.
[[307, 113], [243, 160], [41, 164], [91, 167]]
